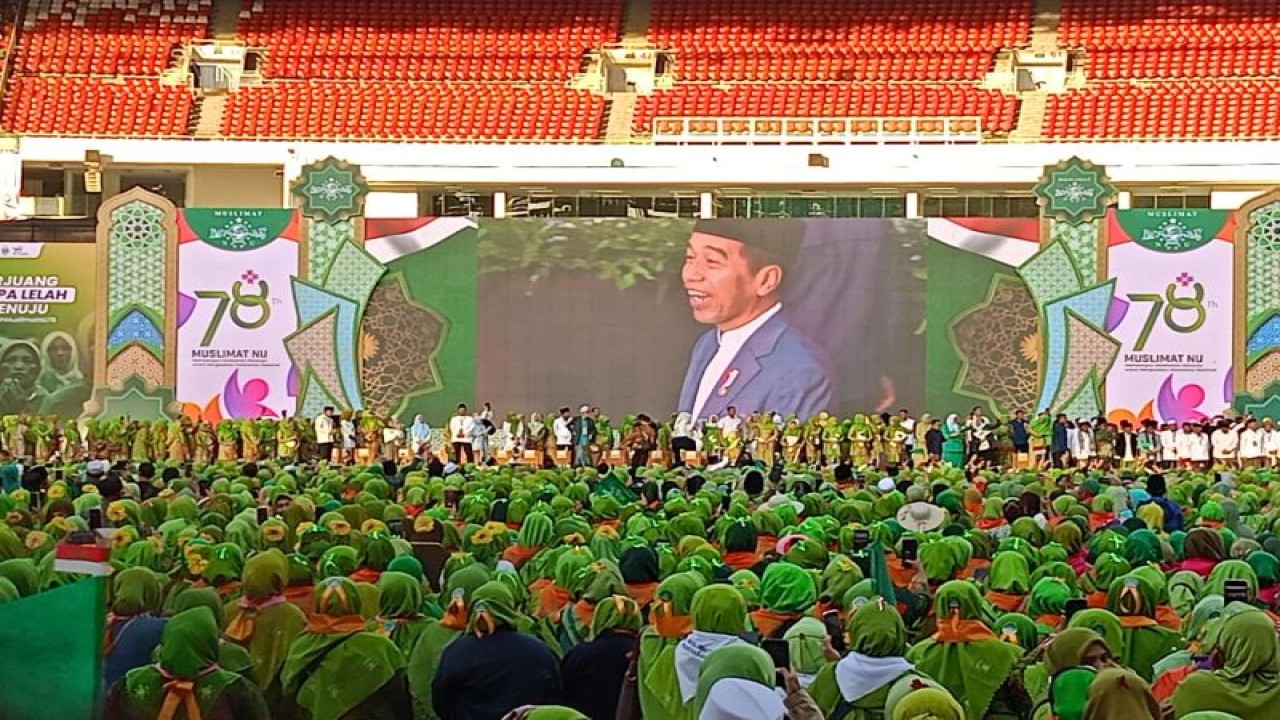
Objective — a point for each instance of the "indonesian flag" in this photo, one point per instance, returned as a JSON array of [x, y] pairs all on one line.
[[1009, 241], [390, 239]]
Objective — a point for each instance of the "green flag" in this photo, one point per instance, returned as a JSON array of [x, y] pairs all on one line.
[[51, 667]]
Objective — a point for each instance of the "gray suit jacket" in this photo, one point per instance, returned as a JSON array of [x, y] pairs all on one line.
[[779, 370]]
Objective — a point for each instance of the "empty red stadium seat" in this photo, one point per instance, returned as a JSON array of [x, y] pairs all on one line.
[[473, 40], [382, 110], [91, 106], [1187, 109], [801, 40], [997, 111]]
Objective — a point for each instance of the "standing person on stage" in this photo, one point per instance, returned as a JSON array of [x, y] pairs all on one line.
[[1060, 442], [461, 427], [1270, 443], [908, 424], [1251, 438], [1170, 443], [481, 428], [420, 436], [562, 428], [731, 434], [326, 434], [583, 429], [1020, 434], [1225, 443]]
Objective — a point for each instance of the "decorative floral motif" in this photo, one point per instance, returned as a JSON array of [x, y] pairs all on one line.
[[136, 258], [239, 234], [330, 189], [1074, 191]]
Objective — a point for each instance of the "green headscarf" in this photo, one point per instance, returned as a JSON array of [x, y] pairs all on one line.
[[189, 650], [739, 660], [952, 663], [617, 613], [1049, 597], [136, 591], [492, 607], [719, 609], [1010, 573], [330, 672], [875, 629], [400, 609], [1018, 629], [1230, 570], [1248, 683], [1104, 623], [23, 574], [786, 588]]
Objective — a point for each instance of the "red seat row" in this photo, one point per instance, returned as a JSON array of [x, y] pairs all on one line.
[[840, 40], [110, 42], [996, 111], [89, 106], [1195, 109], [483, 40], [414, 111]]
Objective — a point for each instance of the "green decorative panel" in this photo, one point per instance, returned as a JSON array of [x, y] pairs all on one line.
[[1264, 261], [136, 260], [323, 242], [1081, 240]]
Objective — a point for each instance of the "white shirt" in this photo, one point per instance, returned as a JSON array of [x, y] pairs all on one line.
[[324, 429], [1251, 443], [1169, 444], [1270, 440], [731, 341], [564, 435], [460, 428], [1199, 445], [1084, 447], [730, 425], [909, 427], [1225, 443]]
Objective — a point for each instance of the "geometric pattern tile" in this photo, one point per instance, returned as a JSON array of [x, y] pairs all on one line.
[[1050, 274], [1092, 352], [136, 259], [1266, 337], [1262, 373], [312, 347], [1092, 305], [353, 273], [135, 360], [135, 326], [312, 302], [1263, 253], [323, 241], [1082, 241]]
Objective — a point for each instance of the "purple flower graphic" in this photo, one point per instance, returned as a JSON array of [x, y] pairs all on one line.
[[1185, 279], [249, 276], [246, 401]]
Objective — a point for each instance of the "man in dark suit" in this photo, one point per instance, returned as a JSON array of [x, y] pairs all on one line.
[[754, 358]]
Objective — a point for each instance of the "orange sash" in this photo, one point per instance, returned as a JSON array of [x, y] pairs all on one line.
[[1167, 618], [180, 692], [741, 559], [955, 630], [768, 622], [1136, 621], [1097, 600], [518, 555], [329, 624], [642, 593], [551, 600], [1008, 602]]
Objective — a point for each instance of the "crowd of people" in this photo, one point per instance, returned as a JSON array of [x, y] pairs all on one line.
[[856, 578]]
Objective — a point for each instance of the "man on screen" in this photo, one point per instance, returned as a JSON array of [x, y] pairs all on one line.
[[753, 358]]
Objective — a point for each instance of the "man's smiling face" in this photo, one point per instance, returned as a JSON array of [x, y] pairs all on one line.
[[723, 288]]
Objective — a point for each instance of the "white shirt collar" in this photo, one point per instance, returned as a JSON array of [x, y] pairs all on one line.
[[739, 335]]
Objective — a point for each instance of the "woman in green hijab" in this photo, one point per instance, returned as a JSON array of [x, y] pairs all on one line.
[[962, 642], [400, 610], [1132, 599], [134, 627], [856, 686], [187, 676], [1009, 581], [1248, 682], [265, 623], [719, 617], [230, 655], [338, 670], [787, 593], [670, 619], [425, 657], [740, 662]]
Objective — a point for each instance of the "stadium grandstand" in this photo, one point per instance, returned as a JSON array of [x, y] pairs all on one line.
[[908, 107]]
